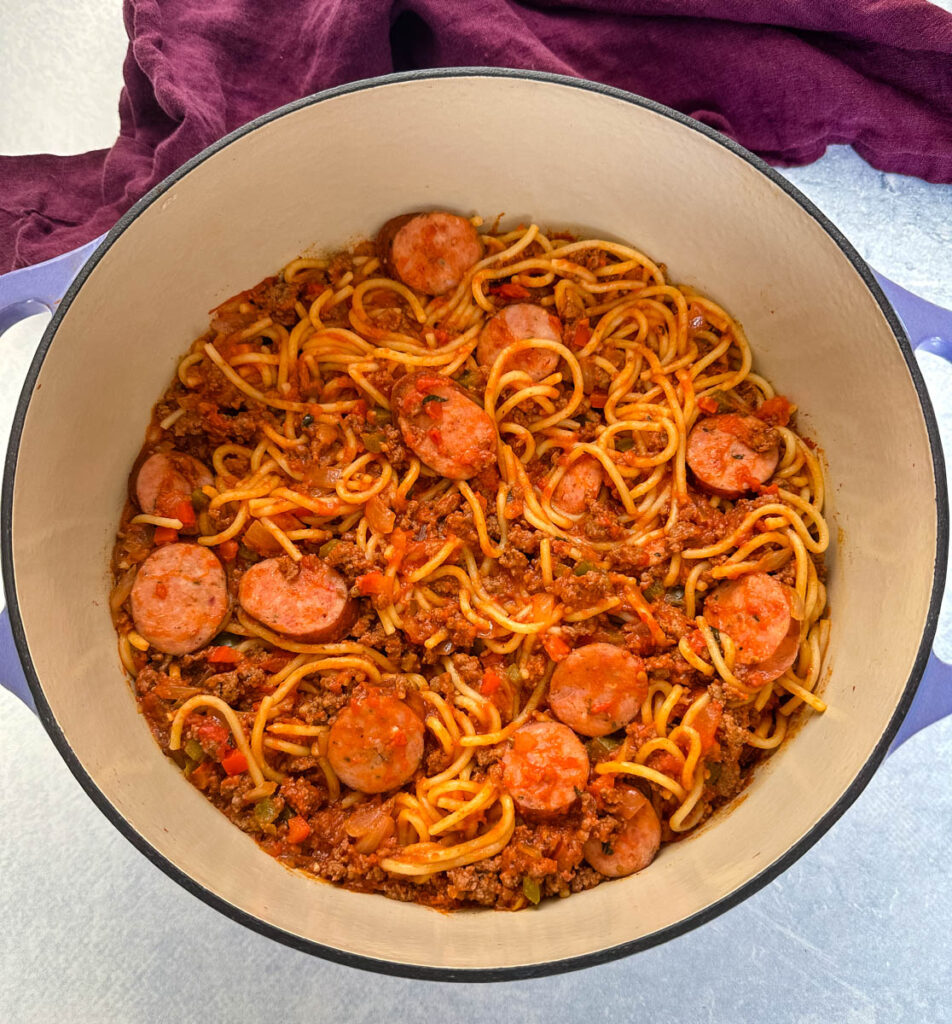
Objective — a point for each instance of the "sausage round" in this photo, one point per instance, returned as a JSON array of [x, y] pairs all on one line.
[[579, 486], [544, 766], [375, 743], [179, 598], [634, 843], [772, 668], [306, 600], [516, 323], [731, 454], [430, 252], [167, 479], [443, 425], [598, 688], [755, 611]]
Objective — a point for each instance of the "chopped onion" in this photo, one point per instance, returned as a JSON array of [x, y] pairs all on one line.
[[325, 476], [370, 824], [121, 591], [380, 517]]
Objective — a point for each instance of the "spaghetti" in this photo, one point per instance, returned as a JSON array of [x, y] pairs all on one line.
[[469, 567]]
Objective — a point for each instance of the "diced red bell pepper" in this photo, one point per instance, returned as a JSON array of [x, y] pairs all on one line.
[[583, 331], [228, 550], [707, 404], [234, 762], [492, 680], [165, 535], [223, 656], [185, 512], [298, 829]]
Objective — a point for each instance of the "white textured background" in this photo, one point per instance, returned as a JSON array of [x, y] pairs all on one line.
[[856, 931]]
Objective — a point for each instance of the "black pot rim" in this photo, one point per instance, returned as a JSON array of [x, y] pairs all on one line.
[[535, 970]]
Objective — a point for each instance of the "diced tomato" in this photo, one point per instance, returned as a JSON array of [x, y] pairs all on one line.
[[492, 680], [165, 535], [234, 762], [776, 411], [360, 408], [372, 583], [706, 722], [275, 661], [441, 336], [223, 656], [707, 404], [228, 550], [210, 733], [298, 830], [665, 763], [597, 399], [601, 784], [583, 331], [555, 647], [696, 642], [398, 542], [510, 291]]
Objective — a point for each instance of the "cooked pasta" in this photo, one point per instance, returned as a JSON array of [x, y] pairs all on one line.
[[472, 566]]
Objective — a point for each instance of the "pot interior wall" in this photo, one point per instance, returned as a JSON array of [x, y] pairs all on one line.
[[330, 173]]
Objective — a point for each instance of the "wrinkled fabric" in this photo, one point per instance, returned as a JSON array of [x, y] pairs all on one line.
[[783, 77]]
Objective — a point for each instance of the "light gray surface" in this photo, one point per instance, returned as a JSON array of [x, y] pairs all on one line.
[[856, 931]]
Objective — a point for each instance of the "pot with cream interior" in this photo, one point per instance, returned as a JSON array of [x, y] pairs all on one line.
[[325, 174]]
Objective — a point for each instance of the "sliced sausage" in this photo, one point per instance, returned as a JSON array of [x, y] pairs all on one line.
[[430, 252], [774, 667], [598, 688], [306, 600], [375, 743], [516, 323], [179, 598], [443, 425], [635, 841], [544, 767], [732, 454], [579, 486], [165, 482], [757, 613]]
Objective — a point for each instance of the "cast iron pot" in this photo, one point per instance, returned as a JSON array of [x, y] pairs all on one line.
[[330, 169]]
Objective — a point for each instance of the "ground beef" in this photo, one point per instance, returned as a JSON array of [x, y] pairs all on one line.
[[303, 797], [577, 592], [347, 558], [525, 539], [544, 856], [672, 620]]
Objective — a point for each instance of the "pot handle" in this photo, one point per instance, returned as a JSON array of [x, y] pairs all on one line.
[[40, 288], [25, 293], [28, 291], [11, 670], [930, 330]]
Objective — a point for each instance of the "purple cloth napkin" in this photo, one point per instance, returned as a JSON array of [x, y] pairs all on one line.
[[783, 77]]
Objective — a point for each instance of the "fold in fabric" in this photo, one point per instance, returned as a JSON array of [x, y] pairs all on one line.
[[782, 77]]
